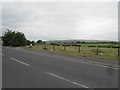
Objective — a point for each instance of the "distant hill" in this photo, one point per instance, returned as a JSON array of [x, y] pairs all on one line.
[[72, 41]]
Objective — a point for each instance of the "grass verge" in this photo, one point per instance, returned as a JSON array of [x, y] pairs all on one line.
[[104, 53]]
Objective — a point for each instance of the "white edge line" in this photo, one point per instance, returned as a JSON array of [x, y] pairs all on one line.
[[73, 60], [80, 62], [94, 64], [67, 80], [20, 62], [85, 63], [88, 63]]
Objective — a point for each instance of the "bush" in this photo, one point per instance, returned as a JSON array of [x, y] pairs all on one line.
[[12, 38], [45, 48]]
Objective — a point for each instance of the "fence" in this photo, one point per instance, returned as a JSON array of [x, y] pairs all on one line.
[[83, 50]]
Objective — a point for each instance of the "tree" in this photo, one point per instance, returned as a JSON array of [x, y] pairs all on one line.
[[33, 42], [78, 42], [28, 42], [12, 38], [7, 37], [39, 41]]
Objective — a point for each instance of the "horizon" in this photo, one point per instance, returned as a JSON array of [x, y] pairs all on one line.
[[71, 39], [81, 40]]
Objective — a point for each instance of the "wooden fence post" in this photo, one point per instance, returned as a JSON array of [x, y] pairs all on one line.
[[64, 48], [97, 51], [118, 52], [45, 46], [53, 47], [79, 48]]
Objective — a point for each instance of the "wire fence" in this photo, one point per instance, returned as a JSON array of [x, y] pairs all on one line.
[[101, 51]]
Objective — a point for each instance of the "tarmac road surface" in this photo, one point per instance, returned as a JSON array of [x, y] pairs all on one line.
[[28, 69]]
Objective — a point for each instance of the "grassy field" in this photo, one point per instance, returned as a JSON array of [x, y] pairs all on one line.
[[104, 53], [100, 44]]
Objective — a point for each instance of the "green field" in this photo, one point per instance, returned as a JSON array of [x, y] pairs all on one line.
[[99, 44], [104, 53]]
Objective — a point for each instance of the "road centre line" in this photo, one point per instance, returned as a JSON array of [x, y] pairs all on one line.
[[20, 62], [67, 80]]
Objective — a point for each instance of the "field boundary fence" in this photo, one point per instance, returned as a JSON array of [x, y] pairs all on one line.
[[107, 51]]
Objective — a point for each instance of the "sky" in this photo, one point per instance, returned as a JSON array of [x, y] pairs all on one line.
[[62, 20]]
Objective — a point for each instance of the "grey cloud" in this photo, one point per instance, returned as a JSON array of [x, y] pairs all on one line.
[[50, 20]]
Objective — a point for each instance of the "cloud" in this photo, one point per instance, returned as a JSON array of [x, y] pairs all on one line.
[[63, 20]]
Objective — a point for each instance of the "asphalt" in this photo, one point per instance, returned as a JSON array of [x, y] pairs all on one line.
[[103, 62], [30, 69]]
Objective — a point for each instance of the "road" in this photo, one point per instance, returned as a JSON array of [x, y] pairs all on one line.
[[27, 69]]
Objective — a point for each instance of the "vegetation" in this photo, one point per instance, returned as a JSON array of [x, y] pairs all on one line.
[[39, 41], [28, 42], [98, 50], [108, 45], [100, 44], [103, 53], [15, 39]]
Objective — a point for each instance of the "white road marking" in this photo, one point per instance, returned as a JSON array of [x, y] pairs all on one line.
[[94, 64], [89, 63], [20, 62], [74, 60], [67, 80]]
